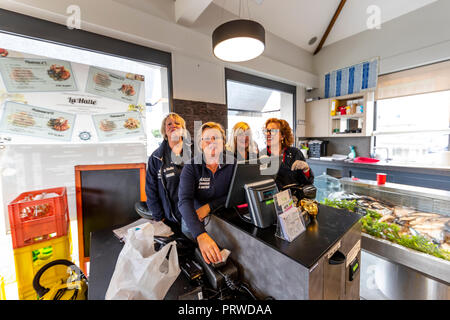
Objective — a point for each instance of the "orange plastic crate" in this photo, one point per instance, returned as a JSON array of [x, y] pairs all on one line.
[[39, 220]]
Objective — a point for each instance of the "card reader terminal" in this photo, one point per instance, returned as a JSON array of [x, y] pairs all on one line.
[[259, 196]]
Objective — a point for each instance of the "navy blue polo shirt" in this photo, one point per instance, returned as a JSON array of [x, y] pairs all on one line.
[[198, 187]]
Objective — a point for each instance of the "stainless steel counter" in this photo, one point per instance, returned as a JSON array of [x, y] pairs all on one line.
[[400, 189], [385, 165]]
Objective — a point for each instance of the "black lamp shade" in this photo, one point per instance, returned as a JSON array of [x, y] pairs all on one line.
[[239, 40]]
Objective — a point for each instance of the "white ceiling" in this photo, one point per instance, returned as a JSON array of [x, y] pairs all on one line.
[[295, 21]]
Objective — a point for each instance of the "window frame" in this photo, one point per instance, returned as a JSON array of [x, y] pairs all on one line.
[[375, 115], [246, 78]]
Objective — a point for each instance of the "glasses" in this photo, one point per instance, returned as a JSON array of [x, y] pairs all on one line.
[[271, 131], [212, 139]]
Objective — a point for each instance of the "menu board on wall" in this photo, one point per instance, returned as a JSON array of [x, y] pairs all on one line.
[[40, 99], [118, 125], [34, 121], [113, 85], [37, 75]]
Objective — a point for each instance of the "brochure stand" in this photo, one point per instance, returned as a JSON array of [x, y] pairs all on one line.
[[290, 222]]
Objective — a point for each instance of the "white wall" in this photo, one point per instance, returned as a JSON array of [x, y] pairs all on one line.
[[197, 80], [418, 38]]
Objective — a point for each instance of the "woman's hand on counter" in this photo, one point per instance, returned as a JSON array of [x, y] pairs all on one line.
[[209, 249], [203, 212], [300, 165]]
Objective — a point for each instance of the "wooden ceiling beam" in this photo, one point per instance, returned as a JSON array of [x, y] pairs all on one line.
[[330, 26]]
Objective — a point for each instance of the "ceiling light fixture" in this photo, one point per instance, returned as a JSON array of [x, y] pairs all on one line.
[[239, 40]]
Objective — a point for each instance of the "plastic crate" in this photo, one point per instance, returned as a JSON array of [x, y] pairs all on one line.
[[2, 288], [28, 260], [28, 292], [53, 222]]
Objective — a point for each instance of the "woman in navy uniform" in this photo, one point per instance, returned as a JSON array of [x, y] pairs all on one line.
[[204, 187], [293, 168], [164, 170]]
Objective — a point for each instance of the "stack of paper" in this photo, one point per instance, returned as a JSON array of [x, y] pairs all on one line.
[[161, 229], [291, 224]]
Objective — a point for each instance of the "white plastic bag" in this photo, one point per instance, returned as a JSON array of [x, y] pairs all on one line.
[[141, 273]]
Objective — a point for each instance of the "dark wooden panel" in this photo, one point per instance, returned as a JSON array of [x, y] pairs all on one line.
[[108, 198], [106, 195]]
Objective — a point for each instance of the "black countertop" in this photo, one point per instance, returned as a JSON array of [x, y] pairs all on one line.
[[330, 226], [105, 249], [307, 249]]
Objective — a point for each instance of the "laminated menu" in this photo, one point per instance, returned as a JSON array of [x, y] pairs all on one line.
[[37, 75], [38, 122], [290, 222], [118, 125], [124, 88]]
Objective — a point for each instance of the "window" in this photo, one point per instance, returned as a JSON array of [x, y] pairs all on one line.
[[155, 84], [35, 162], [415, 128], [254, 100]]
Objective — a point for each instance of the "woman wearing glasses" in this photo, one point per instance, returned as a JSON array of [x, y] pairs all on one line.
[[241, 143], [293, 168], [204, 186], [164, 170]]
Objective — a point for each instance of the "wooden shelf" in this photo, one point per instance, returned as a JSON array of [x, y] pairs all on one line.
[[319, 122], [349, 116], [348, 134]]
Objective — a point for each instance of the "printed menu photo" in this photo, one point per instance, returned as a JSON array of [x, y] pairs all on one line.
[[118, 125], [124, 88], [38, 122], [37, 75]]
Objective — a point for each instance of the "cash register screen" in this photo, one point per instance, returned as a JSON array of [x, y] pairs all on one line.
[[244, 173]]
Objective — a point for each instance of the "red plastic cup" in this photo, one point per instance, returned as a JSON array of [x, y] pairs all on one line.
[[381, 178]]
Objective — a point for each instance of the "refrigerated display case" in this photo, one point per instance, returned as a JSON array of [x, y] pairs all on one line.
[[405, 239]]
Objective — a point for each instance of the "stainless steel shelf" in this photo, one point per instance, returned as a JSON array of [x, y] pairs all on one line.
[[436, 268]]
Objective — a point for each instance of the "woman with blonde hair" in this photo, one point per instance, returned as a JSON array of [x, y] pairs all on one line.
[[293, 168], [164, 170], [204, 186], [241, 143]]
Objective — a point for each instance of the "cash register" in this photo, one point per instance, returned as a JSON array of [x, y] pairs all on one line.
[[254, 184], [250, 185]]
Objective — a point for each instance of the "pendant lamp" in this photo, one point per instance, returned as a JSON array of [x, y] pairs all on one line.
[[239, 40]]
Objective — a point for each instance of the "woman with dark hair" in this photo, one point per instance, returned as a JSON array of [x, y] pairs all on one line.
[[293, 168]]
